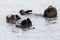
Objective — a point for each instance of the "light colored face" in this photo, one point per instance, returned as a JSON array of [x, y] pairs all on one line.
[[9, 15]]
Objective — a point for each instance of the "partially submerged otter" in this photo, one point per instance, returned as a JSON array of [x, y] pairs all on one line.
[[22, 12], [11, 18], [50, 12], [25, 23]]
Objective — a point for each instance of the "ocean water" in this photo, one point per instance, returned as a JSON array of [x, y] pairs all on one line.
[[45, 28]]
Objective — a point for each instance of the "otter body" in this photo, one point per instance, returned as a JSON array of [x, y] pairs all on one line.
[[50, 12], [25, 12], [25, 23]]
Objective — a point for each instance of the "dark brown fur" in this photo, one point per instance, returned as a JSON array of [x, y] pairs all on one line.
[[25, 23], [22, 12], [50, 12]]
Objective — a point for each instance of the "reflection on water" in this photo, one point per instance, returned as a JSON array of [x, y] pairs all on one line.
[[41, 24], [50, 20]]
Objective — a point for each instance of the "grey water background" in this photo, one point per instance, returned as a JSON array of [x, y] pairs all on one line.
[[45, 28]]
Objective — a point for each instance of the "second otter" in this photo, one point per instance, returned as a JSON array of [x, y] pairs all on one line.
[[50, 12]]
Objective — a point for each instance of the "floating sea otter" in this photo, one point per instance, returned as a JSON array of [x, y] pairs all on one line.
[[50, 12], [10, 18], [25, 12], [25, 23]]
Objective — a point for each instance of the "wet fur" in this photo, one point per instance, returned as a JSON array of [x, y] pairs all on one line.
[[50, 12]]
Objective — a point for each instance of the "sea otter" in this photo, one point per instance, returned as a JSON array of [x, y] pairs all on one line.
[[22, 12], [25, 23], [12, 18], [50, 12]]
